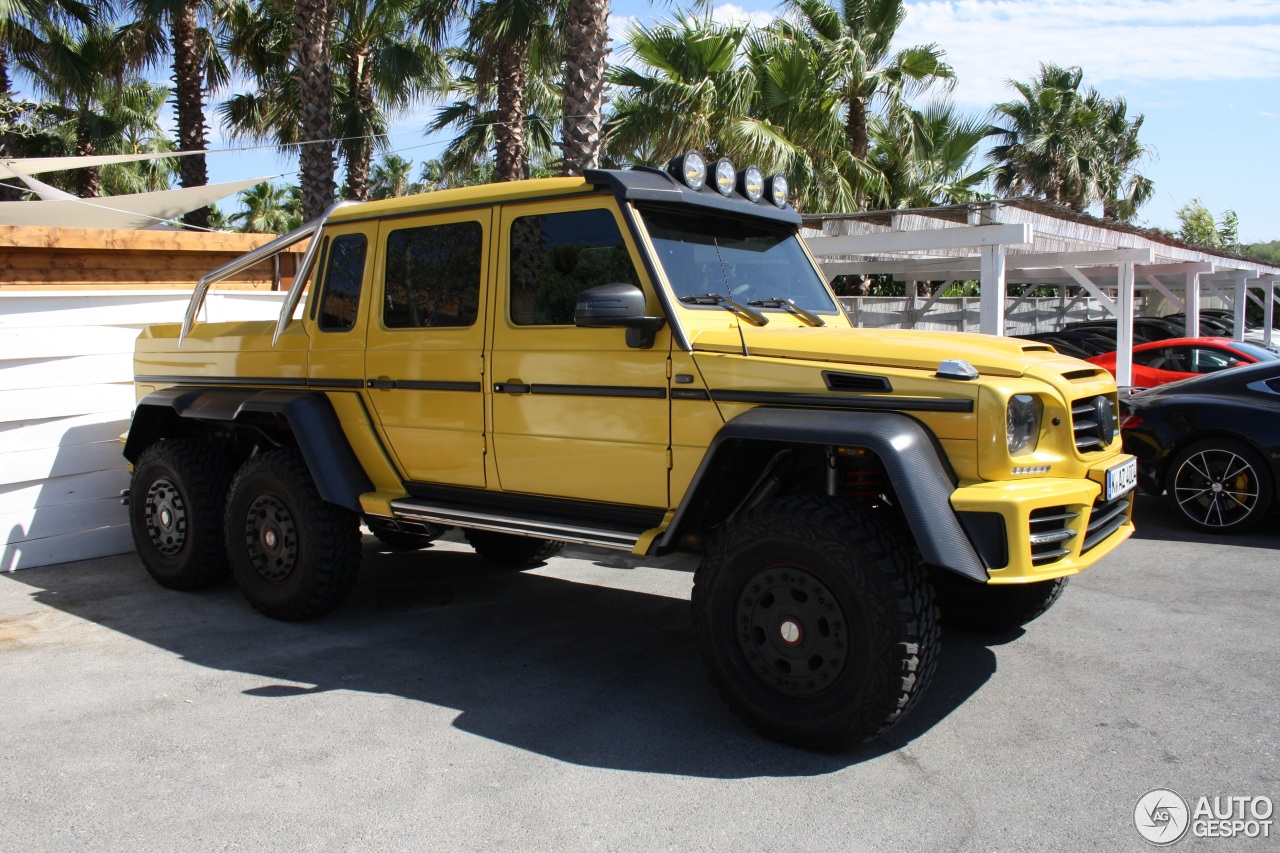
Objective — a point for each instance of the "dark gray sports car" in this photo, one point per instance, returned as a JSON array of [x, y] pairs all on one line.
[[1211, 444]]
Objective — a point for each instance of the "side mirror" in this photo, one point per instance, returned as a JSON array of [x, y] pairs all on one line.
[[618, 304]]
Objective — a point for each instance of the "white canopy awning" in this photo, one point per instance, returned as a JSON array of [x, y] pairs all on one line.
[[36, 165], [136, 211]]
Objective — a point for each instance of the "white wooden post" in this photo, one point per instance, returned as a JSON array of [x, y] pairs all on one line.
[[992, 290], [1192, 298], [1242, 303], [1268, 310], [1124, 325]]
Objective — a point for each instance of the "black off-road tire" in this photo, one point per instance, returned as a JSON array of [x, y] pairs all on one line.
[[294, 555], [815, 623], [405, 540], [1242, 498], [984, 609], [514, 552], [176, 501]]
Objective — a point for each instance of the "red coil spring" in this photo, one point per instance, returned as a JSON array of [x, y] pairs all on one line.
[[863, 483]]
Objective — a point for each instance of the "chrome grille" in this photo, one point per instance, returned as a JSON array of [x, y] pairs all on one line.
[[1091, 432], [1049, 533], [1104, 519]]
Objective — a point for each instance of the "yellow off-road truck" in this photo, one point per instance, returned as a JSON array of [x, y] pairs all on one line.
[[647, 360]]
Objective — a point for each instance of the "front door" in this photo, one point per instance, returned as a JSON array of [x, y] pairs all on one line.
[[424, 359], [576, 413]]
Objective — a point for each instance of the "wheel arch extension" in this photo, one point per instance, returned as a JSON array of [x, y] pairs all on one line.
[[310, 418], [921, 479]]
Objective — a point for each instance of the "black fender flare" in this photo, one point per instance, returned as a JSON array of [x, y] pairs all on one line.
[[337, 472], [922, 481]]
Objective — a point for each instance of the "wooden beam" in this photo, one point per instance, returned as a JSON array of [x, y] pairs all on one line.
[[938, 238]]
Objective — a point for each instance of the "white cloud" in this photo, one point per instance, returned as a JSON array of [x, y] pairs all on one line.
[[991, 41], [732, 14]]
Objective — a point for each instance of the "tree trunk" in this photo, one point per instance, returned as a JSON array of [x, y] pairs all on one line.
[[586, 43], [8, 192], [513, 159], [312, 26], [188, 81], [88, 181], [856, 127], [359, 152]]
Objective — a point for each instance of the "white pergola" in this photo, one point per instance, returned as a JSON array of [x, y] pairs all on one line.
[[1033, 244]]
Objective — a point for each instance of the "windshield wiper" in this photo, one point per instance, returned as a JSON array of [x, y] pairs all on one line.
[[755, 318], [789, 306]]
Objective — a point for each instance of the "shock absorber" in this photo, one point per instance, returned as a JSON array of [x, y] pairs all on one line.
[[863, 477]]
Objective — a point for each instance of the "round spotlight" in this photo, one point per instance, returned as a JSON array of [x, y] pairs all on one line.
[[690, 168], [725, 176], [777, 189], [751, 183]]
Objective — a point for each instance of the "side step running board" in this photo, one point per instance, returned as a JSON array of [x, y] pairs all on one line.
[[411, 510]]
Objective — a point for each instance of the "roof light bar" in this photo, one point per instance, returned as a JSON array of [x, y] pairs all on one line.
[[725, 176], [751, 183], [690, 168], [777, 188]]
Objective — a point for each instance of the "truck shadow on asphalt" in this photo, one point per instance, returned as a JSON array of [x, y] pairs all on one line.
[[580, 673]]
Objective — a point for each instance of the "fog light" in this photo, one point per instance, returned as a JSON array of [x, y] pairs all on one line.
[[725, 176], [751, 183], [690, 168]]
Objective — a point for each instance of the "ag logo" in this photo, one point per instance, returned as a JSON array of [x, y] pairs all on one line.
[[1161, 816]]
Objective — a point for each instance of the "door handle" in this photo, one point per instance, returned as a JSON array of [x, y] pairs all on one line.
[[382, 383], [511, 386]]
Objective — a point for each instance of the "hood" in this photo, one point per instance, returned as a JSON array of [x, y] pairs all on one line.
[[913, 349]]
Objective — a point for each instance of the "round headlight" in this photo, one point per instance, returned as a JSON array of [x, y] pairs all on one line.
[[777, 188], [690, 168], [751, 183], [725, 176]]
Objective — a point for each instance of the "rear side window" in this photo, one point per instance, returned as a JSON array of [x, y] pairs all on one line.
[[342, 281], [556, 256], [433, 276]]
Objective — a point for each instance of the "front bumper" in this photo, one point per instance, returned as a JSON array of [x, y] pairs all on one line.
[[1052, 527]]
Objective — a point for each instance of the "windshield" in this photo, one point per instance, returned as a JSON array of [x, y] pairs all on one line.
[[738, 258], [1260, 353]]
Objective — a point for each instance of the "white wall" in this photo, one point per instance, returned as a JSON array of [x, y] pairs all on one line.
[[66, 395]]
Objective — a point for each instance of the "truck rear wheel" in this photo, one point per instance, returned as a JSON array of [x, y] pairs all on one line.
[[294, 555], [815, 623], [177, 495], [516, 552], [985, 609]]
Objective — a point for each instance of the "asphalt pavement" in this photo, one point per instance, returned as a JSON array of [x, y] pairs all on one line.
[[452, 706]]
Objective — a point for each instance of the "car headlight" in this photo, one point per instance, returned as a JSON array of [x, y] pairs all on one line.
[[1022, 422]]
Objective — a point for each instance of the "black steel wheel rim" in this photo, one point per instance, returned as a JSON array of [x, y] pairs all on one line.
[[792, 631], [271, 538], [1216, 488], [165, 517]]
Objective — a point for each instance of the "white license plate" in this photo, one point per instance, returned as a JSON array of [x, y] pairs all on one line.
[[1122, 478]]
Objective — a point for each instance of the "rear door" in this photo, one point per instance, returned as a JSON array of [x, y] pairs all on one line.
[[425, 352]]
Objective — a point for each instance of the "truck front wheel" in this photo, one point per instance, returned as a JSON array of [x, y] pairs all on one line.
[[176, 500], [294, 555], [815, 623], [985, 609]]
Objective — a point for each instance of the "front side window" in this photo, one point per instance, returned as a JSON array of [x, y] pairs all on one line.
[[556, 256], [433, 276], [342, 279], [742, 259]]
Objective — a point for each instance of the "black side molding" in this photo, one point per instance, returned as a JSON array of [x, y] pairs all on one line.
[[338, 475], [922, 481]]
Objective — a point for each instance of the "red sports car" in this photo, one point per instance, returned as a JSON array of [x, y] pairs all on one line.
[[1158, 362]]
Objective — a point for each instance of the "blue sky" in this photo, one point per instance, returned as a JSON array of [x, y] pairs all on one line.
[[1205, 73]]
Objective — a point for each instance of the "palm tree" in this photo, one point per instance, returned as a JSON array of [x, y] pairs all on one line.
[[930, 160], [136, 107], [76, 71], [380, 66], [854, 43], [1124, 190], [312, 39], [265, 209], [502, 36], [21, 22], [586, 45], [197, 65], [473, 115], [691, 87], [390, 178], [1046, 139]]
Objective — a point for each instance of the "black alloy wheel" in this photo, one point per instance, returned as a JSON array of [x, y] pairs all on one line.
[[1220, 486]]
